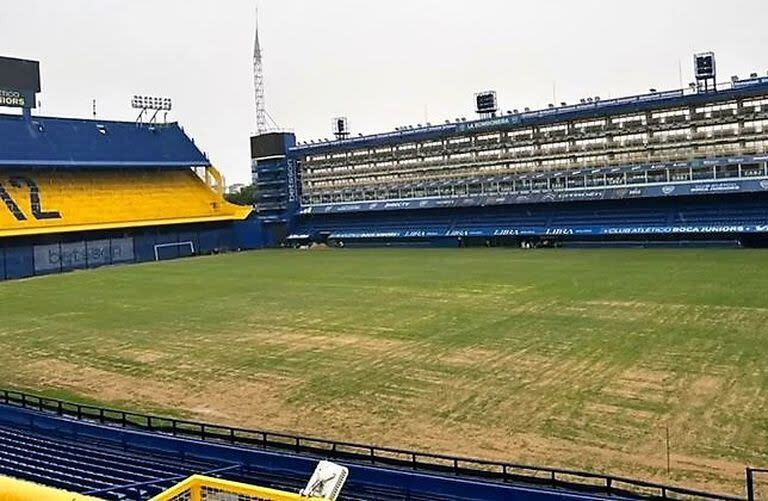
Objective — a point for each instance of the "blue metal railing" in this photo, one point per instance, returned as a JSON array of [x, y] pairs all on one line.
[[371, 454]]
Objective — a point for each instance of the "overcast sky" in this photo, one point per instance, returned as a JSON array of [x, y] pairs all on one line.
[[381, 63]]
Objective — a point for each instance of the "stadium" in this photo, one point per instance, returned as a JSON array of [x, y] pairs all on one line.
[[687, 164], [409, 373]]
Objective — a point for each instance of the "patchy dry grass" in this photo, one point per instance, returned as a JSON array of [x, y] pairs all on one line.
[[577, 359]]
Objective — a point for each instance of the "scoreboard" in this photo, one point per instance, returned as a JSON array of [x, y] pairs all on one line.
[[19, 82]]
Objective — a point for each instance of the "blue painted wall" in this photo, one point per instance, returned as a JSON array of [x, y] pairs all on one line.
[[46, 254]]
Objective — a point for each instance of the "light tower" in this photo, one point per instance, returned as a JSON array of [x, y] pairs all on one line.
[[258, 83]]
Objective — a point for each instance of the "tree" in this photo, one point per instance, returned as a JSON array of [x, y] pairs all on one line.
[[246, 195]]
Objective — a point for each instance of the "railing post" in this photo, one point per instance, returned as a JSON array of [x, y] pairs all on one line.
[[750, 485], [173, 427], [24, 400], [59, 408]]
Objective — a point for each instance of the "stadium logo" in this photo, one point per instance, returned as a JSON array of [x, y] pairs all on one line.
[[667, 189], [505, 232], [35, 203], [764, 185], [397, 205], [12, 98]]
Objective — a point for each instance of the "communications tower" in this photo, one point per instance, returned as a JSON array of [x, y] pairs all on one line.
[[258, 83]]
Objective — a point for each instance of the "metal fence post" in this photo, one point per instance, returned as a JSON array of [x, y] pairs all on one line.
[[750, 485]]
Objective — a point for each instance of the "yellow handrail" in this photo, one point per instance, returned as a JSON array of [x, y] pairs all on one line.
[[193, 488]]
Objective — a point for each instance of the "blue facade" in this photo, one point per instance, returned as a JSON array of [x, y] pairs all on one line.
[[728, 217], [42, 255]]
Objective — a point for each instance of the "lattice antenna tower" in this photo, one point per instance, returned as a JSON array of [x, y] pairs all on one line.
[[258, 82]]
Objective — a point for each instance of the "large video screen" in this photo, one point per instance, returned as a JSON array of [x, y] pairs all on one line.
[[267, 145], [19, 74]]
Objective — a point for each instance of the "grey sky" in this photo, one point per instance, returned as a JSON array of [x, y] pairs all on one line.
[[380, 63]]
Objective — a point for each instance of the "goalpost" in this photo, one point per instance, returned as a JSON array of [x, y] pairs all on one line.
[[174, 244]]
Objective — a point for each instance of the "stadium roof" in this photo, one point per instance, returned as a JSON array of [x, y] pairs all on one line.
[[73, 143], [757, 86]]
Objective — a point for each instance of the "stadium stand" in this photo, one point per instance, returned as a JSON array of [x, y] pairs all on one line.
[[682, 164], [111, 454], [82, 193], [86, 193], [96, 200]]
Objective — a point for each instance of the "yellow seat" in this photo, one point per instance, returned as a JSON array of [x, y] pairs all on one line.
[[37, 202]]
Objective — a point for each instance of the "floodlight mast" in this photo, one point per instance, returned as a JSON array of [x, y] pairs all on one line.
[[486, 104], [258, 83], [340, 128], [147, 104], [705, 71]]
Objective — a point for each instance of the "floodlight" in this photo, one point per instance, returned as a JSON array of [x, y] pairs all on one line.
[[563, 103], [652, 90], [485, 102], [151, 103], [753, 75], [704, 66]]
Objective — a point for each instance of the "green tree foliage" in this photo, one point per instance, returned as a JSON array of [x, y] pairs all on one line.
[[246, 196]]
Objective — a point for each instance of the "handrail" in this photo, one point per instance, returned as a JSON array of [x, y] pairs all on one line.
[[425, 461]]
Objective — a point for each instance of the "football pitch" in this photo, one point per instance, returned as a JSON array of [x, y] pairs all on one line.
[[572, 358]]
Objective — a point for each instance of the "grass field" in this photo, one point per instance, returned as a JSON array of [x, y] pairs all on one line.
[[569, 358]]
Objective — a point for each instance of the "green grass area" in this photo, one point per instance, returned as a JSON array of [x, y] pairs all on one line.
[[570, 358]]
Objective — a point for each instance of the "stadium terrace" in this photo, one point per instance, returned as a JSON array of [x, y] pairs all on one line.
[[687, 164]]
